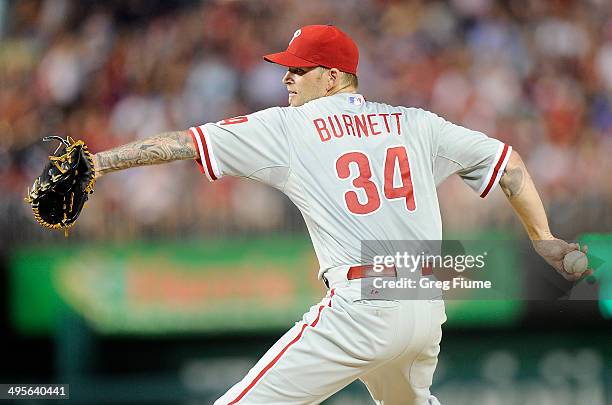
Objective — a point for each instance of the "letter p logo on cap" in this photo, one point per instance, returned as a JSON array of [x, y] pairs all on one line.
[[295, 35]]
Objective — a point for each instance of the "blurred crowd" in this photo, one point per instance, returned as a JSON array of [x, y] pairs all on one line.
[[535, 74]]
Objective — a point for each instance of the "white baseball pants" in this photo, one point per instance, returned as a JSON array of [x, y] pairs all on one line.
[[392, 346]]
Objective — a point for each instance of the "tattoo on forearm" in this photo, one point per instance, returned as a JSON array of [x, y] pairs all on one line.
[[513, 181], [162, 148]]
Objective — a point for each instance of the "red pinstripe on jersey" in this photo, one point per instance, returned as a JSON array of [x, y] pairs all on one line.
[[208, 167], [280, 354], [195, 142], [493, 178]]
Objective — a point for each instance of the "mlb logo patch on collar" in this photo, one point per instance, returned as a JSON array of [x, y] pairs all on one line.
[[356, 99]]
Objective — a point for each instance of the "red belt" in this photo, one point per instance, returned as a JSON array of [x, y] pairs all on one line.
[[367, 270]]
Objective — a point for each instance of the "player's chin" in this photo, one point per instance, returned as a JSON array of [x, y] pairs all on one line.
[[294, 101]]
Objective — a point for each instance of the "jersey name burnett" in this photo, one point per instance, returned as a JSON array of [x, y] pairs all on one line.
[[358, 125]]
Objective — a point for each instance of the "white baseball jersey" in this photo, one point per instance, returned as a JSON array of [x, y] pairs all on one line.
[[357, 170]]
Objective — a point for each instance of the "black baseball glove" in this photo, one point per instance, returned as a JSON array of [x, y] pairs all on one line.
[[59, 193]]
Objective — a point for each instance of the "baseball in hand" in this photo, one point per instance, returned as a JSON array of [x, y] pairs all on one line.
[[575, 262]]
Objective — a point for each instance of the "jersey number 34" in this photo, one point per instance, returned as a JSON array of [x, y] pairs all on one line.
[[393, 187]]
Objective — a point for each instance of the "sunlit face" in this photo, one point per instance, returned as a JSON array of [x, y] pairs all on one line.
[[305, 84]]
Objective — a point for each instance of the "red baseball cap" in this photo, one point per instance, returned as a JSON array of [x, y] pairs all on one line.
[[319, 45]]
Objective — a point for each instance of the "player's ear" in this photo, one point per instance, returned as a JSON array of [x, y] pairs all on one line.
[[334, 78]]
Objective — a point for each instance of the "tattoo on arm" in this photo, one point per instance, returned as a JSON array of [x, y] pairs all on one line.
[[162, 148], [513, 181]]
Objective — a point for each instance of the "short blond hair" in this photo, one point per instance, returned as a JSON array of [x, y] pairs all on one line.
[[346, 79], [350, 79]]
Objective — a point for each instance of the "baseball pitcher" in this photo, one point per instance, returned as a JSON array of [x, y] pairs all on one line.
[[357, 170]]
